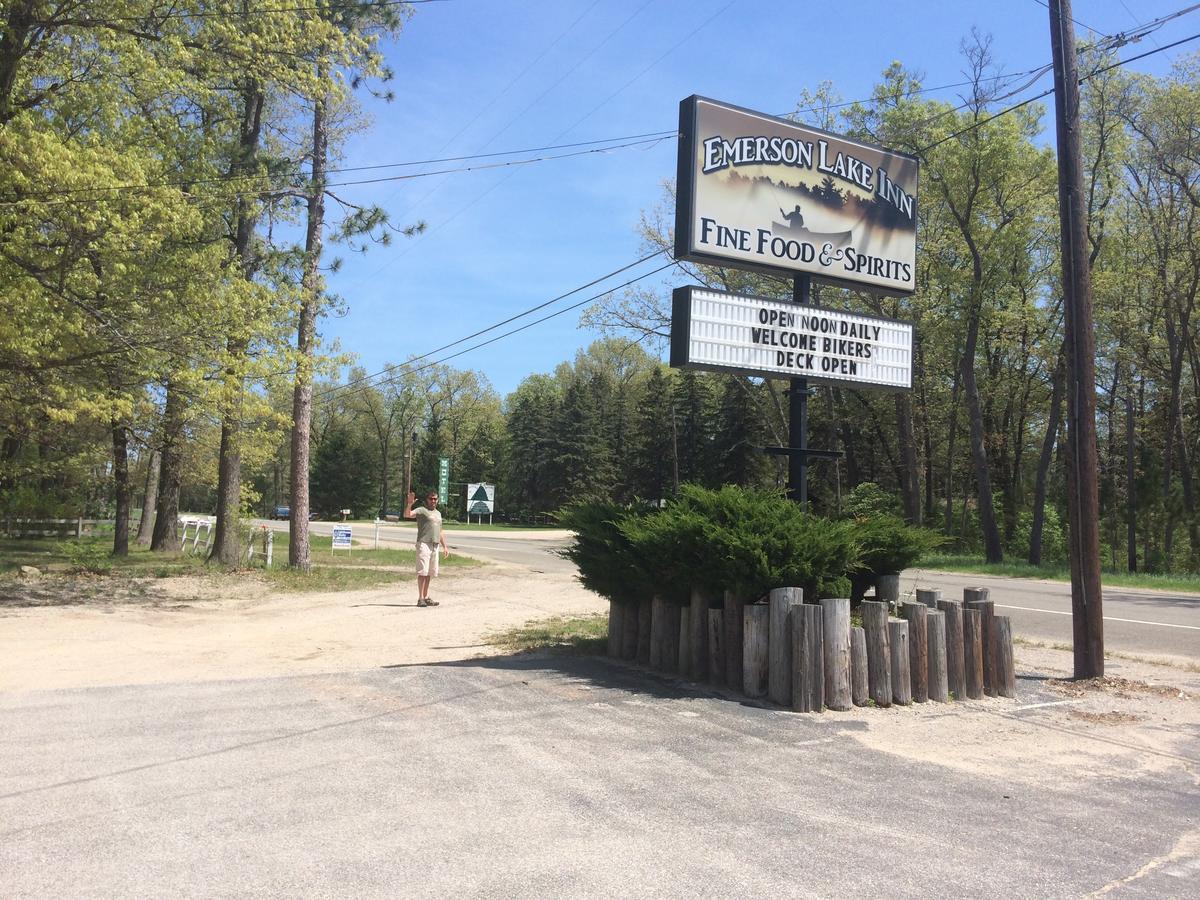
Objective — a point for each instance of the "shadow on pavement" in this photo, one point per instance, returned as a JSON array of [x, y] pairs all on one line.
[[605, 672]]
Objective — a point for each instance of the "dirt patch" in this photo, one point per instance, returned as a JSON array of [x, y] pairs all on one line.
[[1116, 686], [1112, 717], [102, 591], [212, 627]]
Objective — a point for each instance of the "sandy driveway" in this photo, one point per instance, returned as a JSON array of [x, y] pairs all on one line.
[[197, 632]]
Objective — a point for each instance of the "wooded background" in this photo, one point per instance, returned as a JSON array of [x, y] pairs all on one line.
[[159, 317]]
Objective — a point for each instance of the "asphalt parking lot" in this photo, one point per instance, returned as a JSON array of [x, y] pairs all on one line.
[[563, 776]]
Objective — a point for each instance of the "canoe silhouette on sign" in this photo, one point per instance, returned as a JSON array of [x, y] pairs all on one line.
[[836, 238]]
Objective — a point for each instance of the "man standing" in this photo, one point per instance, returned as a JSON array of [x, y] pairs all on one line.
[[429, 537]]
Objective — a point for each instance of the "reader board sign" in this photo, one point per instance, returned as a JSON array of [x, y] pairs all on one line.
[[759, 192], [341, 537], [481, 499], [776, 339]]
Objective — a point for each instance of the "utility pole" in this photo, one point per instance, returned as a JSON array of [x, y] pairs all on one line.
[[408, 459], [1082, 465]]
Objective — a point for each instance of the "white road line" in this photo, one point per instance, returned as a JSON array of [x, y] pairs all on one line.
[[1048, 703], [1059, 612]]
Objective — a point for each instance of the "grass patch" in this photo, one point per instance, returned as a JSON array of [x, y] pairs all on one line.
[[84, 571], [572, 634], [321, 554], [65, 555], [329, 578], [975, 565]]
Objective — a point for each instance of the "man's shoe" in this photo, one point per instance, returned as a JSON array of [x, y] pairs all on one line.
[[424, 603], [429, 601]]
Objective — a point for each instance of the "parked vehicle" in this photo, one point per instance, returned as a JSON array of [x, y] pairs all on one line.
[[281, 512]]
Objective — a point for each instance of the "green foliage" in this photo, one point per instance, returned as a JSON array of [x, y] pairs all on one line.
[[342, 476], [87, 556], [732, 538], [608, 561], [888, 545], [869, 499]]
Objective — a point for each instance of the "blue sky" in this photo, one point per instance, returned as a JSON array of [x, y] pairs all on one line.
[[481, 76]]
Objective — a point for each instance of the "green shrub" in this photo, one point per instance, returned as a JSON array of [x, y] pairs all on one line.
[[608, 562], [87, 556], [868, 499], [745, 541], [889, 545]]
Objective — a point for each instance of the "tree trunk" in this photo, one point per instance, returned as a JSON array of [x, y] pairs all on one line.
[[298, 546], [170, 476], [1130, 484], [910, 479], [952, 428], [149, 500], [120, 442], [1045, 459], [993, 549], [227, 548]]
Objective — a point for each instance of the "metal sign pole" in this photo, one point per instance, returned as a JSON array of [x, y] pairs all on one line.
[[798, 412]]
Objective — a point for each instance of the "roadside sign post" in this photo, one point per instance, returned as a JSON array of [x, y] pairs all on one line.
[[343, 539], [481, 501], [771, 195]]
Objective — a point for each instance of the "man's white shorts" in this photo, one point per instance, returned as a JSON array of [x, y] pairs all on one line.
[[427, 559]]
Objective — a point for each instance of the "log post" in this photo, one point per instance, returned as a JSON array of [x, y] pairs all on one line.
[[887, 588], [918, 650], [670, 652], [901, 682], [836, 624], [685, 641], [1006, 676], [987, 613], [756, 630], [734, 623], [615, 624], [879, 657], [973, 652], [939, 686], [929, 597], [808, 658], [699, 641], [716, 646], [643, 641], [779, 647], [858, 666], [955, 673], [664, 635], [629, 630]]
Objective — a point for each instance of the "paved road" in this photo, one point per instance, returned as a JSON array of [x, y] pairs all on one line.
[[532, 777], [1151, 623], [534, 549]]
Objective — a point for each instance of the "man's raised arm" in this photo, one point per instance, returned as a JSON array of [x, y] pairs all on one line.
[[408, 502]]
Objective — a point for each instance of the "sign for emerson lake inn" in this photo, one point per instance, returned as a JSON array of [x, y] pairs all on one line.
[[773, 339], [759, 192]]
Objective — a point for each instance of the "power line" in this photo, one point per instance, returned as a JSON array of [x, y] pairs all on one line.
[[1046, 93], [498, 337], [502, 92], [670, 264], [387, 370], [50, 196], [1113, 41], [238, 14]]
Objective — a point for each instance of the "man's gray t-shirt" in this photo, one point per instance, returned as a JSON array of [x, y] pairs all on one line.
[[429, 525]]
